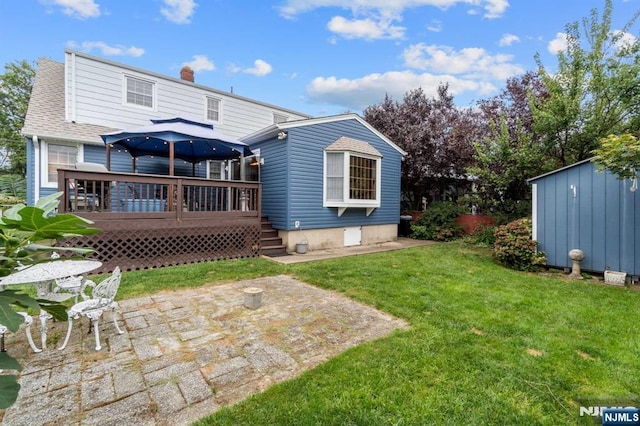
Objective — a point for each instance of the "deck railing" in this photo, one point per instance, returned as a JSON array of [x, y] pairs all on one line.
[[118, 195], [149, 221]]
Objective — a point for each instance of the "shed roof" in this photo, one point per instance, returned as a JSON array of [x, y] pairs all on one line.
[[46, 116], [344, 143], [559, 170]]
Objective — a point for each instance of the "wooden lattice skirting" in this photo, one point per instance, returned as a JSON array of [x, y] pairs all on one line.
[[164, 245]]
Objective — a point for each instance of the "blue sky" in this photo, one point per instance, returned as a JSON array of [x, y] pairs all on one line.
[[320, 57]]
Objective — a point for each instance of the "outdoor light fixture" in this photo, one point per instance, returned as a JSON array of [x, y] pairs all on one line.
[[282, 135]]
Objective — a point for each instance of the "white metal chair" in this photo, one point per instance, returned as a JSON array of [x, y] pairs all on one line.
[[102, 298], [28, 320], [66, 288]]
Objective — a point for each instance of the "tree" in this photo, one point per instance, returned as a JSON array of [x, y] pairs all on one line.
[[595, 91], [620, 154], [436, 135], [503, 163], [510, 151], [15, 89]]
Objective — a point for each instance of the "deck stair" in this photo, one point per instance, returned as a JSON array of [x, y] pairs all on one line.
[[270, 243]]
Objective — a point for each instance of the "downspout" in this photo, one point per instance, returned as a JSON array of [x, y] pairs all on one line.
[[36, 171], [71, 91]]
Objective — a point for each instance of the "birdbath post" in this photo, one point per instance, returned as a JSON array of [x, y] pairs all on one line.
[[576, 256]]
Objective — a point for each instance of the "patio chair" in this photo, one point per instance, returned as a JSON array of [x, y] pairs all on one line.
[[92, 194], [102, 298], [65, 288], [28, 320]]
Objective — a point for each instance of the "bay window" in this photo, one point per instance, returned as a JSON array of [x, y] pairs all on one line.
[[351, 179]]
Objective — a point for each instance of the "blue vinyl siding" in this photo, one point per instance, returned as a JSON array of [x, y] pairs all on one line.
[[603, 219], [274, 176], [296, 184]]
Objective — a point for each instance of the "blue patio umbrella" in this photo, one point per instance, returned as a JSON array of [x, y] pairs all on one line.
[[176, 137]]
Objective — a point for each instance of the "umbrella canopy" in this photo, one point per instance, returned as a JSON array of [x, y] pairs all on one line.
[[177, 137]]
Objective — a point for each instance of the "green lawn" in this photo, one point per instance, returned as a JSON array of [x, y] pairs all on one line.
[[487, 345]]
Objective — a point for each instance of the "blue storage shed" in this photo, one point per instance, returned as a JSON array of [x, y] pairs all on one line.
[[331, 181], [577, 207]]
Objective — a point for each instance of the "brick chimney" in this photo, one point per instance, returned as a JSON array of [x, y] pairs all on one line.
[[186, 73]]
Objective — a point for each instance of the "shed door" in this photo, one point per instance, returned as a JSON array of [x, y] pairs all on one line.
[[353, 236]]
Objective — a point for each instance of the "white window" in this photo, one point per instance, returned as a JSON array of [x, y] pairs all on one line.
[[335, 177], [213, 109], [351, 179], [139, 92], [216, 169], [279, 118], [58, 156]]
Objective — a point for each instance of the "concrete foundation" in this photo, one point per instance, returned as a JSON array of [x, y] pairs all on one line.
[[328, 238]]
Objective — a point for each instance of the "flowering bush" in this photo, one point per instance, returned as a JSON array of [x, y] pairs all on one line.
[[514, 247]]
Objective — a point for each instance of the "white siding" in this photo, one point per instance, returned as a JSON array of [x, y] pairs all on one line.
[[94, 90]]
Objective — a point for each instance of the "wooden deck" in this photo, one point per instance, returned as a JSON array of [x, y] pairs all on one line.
[[149, 221]]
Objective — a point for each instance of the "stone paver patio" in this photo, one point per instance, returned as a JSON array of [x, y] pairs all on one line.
[[185, 354]]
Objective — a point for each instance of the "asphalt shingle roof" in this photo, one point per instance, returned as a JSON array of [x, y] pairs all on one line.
[[46, 116], [344, 143]]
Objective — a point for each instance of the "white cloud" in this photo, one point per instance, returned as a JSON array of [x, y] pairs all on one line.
[[558, 44], [291, 8], [179, 11], [508, 39], [368, 29], [495, 8], [435, 26], [471, 62], [81, 9], [200, 63], [361, 92], [105, 49], [375, 19], [260, 68]]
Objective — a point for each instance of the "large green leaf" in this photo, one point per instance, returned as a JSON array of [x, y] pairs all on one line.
[[56, 309], [8, 317], [49, 227], [9, 388], [47, 204], [7, 362], [82, 251]]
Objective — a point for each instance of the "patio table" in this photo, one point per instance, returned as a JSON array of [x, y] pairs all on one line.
[[42, 275]]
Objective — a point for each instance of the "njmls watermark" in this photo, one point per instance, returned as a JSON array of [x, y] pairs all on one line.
[[611, 412]]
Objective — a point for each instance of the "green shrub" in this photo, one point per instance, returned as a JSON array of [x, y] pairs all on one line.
[[438, 222], [514, 247], [13, 187], [483, 235]]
